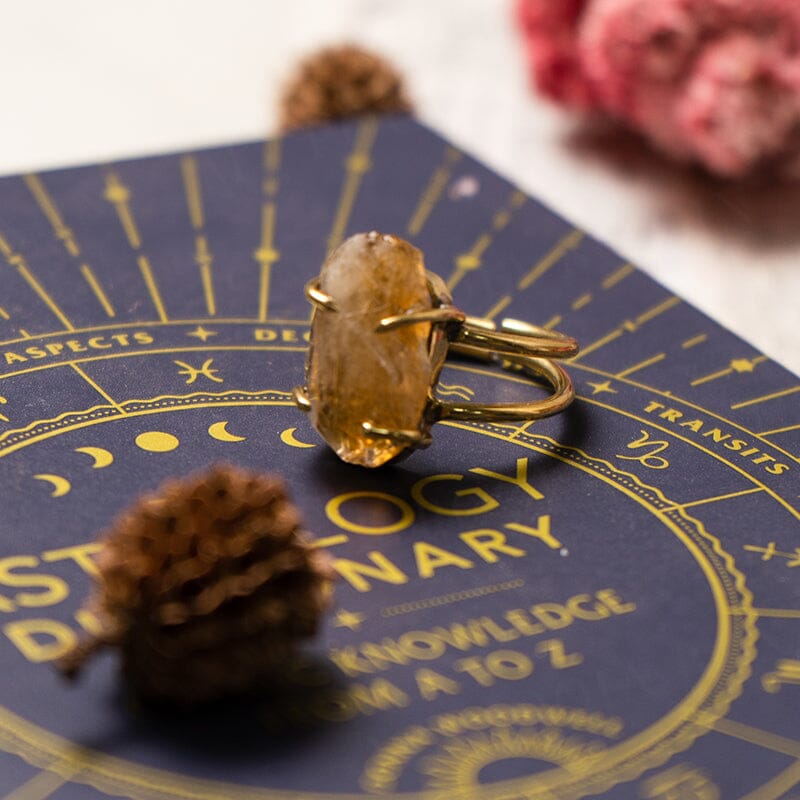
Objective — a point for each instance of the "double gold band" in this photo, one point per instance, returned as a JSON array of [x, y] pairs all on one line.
[[523, 348]]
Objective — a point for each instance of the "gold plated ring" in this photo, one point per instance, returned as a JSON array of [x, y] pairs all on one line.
[[382, 328]]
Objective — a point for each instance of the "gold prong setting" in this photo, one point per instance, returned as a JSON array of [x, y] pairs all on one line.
[[443, 314], [414, 439], [318, 298], [301, 400]]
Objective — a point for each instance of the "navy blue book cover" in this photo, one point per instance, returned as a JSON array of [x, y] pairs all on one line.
[[603, 603]]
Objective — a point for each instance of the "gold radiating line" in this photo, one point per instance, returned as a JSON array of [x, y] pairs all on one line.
[[596, 345], [722, 373], [712, 377], [582, 301], [50, 210], [503, 216], [552, 322], [204, 259], [780, 430], [191, 184], [628, 326], [272, 155], [150, 282], [773, 396], [617, 276], [501, 219], [357, 164], [473, 258], [501, 305], [118, 194], [65, 234], [660, 308], [4, 314], [747, 733], [41, 786], [569, 242], [641, 365], [267, 255], [433, 191], [90, 278], [470, 260], [95, 286], [202, 254], [695, 340], [99, 389], [778, 613], [17, 261]]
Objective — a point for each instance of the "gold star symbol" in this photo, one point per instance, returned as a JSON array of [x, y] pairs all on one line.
[[348, 619], [599, 388], [201, 333], [742, 365]]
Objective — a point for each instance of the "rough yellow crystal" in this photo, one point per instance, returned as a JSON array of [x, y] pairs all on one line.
[[356, 374]]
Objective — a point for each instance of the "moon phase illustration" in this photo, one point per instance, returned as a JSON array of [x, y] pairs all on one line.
[[102, 457], [61, 486], [288, 437], [218, 431]]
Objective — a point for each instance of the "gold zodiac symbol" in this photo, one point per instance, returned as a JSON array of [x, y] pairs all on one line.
[[651, 459], [194, 373]]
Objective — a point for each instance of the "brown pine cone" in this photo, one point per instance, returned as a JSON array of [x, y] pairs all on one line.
[[340, 82], [206, 586]]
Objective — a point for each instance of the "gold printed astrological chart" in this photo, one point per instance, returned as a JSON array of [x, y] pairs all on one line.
[[603, 602]]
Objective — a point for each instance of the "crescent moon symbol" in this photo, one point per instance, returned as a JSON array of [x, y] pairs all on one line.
[[102, 457], [217, 431], [287, 437], [60, 485]]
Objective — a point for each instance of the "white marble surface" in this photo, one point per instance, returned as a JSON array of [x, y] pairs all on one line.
[[90, 80]]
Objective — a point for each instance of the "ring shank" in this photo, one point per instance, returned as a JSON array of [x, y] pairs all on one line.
[[541, 369], [514, 338]]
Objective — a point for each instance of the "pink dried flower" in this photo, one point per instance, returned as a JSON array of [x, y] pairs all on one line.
[[553, 49], [712, 81]]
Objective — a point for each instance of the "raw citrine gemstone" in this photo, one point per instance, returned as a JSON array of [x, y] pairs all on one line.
[[355, 374]]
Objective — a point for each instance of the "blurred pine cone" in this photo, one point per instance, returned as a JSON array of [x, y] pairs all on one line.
[[206, 586], [340, 82]]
